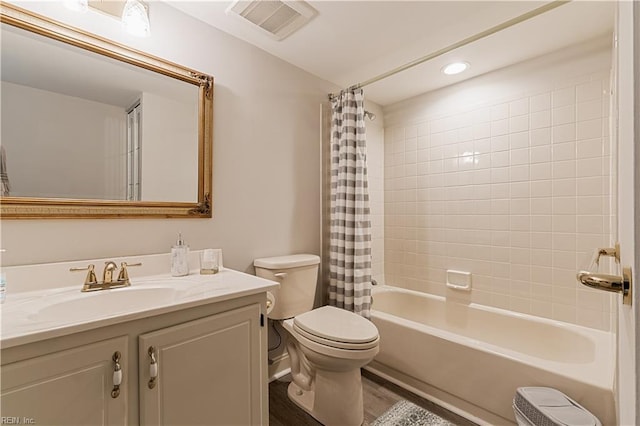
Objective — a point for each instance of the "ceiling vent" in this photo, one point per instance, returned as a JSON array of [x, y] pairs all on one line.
[[278, 19]]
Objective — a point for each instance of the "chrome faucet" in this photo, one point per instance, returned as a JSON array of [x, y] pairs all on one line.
[[91, 282]]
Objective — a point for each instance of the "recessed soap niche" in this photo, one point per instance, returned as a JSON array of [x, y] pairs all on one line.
[[459, 280]]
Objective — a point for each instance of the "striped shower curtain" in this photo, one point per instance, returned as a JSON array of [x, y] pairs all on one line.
[[350, 223]]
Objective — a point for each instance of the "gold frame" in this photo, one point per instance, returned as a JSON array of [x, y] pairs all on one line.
[[52, 208]]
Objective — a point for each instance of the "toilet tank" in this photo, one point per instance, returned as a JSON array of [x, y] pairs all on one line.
[[297, 275]]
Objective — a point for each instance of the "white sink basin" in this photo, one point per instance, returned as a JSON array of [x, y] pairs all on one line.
[[106, 303]]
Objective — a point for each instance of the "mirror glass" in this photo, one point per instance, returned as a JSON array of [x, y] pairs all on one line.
[[76, 124], [91, 128]]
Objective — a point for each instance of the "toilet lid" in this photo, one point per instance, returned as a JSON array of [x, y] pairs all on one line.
[[336, 325]]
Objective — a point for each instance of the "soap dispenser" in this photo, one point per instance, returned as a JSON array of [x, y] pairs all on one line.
[[180, 258]]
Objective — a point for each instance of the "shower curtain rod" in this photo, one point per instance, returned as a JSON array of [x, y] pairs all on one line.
[[511, 22]]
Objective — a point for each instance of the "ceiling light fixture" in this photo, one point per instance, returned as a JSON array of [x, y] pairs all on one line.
[[455, 68], [135, 18], [133, 14]]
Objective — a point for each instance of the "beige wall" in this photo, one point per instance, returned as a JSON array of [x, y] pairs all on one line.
[[506, 176], [266, 177]]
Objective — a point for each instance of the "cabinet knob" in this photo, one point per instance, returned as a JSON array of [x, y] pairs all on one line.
[[153, 367]]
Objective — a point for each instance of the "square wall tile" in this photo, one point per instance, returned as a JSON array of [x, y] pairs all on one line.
[[563, 115], [519, 107], [563, 97], [540, 119], [518, 124], [590, 129], [589, 91], [540, 136], [540, 102], [589, 110], [590, 148], [563, 133]]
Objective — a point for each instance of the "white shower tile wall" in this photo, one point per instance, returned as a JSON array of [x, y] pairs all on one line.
[[516, 191]]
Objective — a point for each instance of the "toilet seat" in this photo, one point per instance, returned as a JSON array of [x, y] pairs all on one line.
[[337, 328]]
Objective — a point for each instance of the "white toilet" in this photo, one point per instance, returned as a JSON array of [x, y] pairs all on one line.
[[327, 346]]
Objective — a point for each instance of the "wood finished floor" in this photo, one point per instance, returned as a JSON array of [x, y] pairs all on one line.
[[378, 395]]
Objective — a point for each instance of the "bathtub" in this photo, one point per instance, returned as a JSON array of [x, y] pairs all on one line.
[[471, 358]]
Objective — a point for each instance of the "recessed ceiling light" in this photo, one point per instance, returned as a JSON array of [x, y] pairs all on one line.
[[455, 68]]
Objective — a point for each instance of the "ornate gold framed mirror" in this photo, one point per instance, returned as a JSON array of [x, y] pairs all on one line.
[[94, 129]]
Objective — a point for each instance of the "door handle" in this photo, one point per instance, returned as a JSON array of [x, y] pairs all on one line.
[[153, 368], [117, 374]]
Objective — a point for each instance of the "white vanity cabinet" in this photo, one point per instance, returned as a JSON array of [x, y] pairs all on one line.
[[210, 363], [203, 372], [70, 387]]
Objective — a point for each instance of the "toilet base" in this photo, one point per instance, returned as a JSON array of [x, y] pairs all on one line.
[[303, 399], [335, 398]]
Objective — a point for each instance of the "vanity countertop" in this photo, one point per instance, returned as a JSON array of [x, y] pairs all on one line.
[[35, 315]]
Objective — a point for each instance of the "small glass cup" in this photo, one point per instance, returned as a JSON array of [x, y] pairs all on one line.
[[208, 262]]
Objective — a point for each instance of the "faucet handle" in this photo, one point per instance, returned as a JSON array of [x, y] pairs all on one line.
[[123, 276], [91, 274]]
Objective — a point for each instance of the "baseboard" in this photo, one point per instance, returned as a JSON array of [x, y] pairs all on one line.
[[279, 366]]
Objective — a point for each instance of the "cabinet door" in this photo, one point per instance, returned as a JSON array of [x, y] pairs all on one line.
[[210, 372], [71, 387]]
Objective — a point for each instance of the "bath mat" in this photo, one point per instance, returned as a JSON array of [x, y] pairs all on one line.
[[405, 413]]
